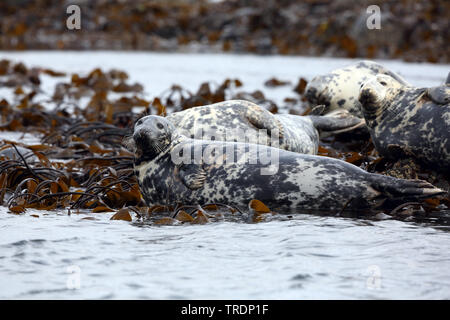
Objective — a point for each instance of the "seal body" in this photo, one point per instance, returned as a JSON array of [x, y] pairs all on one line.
[[243, 121], [11, 153], [169, 172], [407, 121], [340, 87]]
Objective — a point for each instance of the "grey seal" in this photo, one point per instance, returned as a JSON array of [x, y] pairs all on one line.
[[407, 121], [340, 87], [10, 152], [292, 181], [241, 121]]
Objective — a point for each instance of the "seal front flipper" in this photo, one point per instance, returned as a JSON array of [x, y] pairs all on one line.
[[193, 176], [319, 110], [263, 119], [395, 151], [440, 95]]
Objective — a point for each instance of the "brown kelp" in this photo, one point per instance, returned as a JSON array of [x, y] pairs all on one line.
[[82, 165]]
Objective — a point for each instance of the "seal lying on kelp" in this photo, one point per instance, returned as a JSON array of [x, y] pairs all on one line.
[[340, 87], [412, 121], [10, 152], [172, 168], [242, 121]]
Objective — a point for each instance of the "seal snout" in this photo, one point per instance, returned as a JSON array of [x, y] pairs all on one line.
[[366, 96], [152, 133], [317, 92], [140, 135], [371, 93]]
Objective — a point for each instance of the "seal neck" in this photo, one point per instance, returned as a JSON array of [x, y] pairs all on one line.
[[372, 116]]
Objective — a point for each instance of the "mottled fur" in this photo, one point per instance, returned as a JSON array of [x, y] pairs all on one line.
[[412, 121], [302, 182], [296, 133], [340, 87]]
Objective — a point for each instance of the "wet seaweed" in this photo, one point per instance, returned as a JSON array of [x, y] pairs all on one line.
[[82, 163], [267, 27]]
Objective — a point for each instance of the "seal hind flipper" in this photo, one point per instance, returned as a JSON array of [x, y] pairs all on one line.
[[439, 95], [337, 121], [192, 175], [390, 188]]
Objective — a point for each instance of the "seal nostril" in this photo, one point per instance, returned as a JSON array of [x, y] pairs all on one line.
[[364, 96]]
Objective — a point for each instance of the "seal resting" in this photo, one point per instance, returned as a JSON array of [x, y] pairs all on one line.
[[10, 152], [241, 121], [407, 121], [172, 168], [340, 87]]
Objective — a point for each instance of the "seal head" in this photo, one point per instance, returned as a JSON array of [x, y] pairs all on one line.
[[340, 88], [152, 135], [375, 95]]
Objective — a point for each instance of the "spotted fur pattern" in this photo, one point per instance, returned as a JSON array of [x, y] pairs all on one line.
[[412, 121], [302, 182], [340, 87], [225, 119]]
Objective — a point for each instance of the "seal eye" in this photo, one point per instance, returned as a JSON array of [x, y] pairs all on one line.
[[160, 125], [139, 122], [383, 83]]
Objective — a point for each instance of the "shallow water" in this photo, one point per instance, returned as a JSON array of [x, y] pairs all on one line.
[[306, 257], [62, 257]]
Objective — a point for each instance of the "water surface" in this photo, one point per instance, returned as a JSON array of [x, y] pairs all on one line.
[[306, 257]]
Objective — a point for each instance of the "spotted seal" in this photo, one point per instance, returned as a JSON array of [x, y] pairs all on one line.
[[408, 121], [241, 121], [169, 172], [340, 87]]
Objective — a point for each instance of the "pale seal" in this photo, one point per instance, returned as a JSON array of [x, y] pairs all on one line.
[[290, 182], [241, 121], [10, 152], [407, 121], [340, 87]]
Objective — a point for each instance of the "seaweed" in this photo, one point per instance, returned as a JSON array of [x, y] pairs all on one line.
[[82, 164]]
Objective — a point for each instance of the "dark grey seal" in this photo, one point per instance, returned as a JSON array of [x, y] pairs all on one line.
[[169, 171], [241, 121], [407, 121], [340, 87]]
